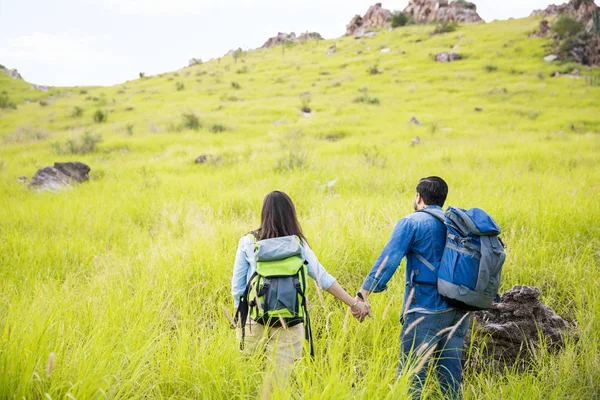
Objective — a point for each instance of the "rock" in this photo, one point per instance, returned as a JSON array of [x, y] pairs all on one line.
[[550, 58], [414, 121], [375, 17], [331, 50], [22, 179], [576, 72], [13, 73], [510, 330], [201, 159], [59, 176], [290, 38], [386, 50], [428, 11], [279, 39], [194, 61], [415, 141], [447, 56], [581, 10], [543, 30], [478, 109], [41, 88]]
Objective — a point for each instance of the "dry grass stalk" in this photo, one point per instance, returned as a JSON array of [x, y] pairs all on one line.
[[409, 300], [282, 322], [228, 316], [411, 326], [387, 308], [423, 361], [381, 266], [346, 319], [440, 333], [50, 366], [455, 327]]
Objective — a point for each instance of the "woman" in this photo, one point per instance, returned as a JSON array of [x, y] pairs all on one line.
[[283, 343]]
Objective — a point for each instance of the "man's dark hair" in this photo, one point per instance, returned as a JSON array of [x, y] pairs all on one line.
[[433, 190]]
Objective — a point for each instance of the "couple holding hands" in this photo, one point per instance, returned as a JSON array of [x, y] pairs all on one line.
[[269, 281]]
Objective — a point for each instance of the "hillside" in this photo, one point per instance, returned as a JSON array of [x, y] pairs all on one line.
[[123, 277]]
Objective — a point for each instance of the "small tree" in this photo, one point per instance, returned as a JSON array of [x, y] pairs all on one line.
[[142, 75], [237, 54], [567, 27], [77, 112]]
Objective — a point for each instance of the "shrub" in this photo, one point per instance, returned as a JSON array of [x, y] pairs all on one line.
[[305, 99], [374, 157], [43, 103], [179, 86], [491, 68], [445, 27], [190, 121], [243, 70], [129, 129], [83, 91], [374, 69], [566, 27], [100, 116], [142, 75], [236, 85], [216, 128], [365, 98], [85, 144], [294, 155], [77, 112], [26, 134], [5, 102], [400, 18]]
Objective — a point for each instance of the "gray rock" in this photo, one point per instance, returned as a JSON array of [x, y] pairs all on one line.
[[331, 50], [550, 58], [447, 56], [60, 176], [415, 121]]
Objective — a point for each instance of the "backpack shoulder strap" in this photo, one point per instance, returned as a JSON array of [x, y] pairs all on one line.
[[433, 214]]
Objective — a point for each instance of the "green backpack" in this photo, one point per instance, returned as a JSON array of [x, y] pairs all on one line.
[[275, 294]]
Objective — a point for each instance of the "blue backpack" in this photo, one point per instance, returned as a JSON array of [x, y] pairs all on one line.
[[469, 273]]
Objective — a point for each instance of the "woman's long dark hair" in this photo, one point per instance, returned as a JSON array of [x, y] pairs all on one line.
[[278, 217]]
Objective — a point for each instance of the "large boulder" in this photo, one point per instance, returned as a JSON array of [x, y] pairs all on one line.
[[508, 333], [376, 17], [428, 11], [60, 176]]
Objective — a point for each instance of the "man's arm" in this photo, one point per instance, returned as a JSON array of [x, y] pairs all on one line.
[[388, 261]]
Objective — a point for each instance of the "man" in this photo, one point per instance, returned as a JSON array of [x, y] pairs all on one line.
[[432, 330]]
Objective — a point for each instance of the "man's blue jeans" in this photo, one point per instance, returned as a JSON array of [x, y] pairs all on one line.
[[417, 338]]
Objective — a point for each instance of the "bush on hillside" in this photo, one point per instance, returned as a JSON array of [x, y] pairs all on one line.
[[77, 112], [491, 68], [43, 103], [445, 27], [85, 144], [400, 18], [179, 86], [190, 121], [142, 75], [236, 85], [566, 27], [294, 155], [305, 99], [5, 102], [100, 116], [365, 98], [217, 128]]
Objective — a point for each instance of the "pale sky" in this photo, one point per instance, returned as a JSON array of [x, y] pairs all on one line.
[[105, 42]]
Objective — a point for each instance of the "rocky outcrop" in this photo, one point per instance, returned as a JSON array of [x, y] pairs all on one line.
[[428, 11], [13, 73], [543, 30], [581, 10], [511, 330], [376, 17], [60, 176], [283, 37]]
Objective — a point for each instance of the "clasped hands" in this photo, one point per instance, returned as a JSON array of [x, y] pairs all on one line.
[[361, 309]]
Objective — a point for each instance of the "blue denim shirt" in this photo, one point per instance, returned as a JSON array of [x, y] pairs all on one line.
[[245, 265], [417, 233]]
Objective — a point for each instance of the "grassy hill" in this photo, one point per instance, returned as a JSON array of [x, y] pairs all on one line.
[[123, 277]]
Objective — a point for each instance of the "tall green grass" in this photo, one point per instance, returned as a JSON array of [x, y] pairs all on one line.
[[123, 277]]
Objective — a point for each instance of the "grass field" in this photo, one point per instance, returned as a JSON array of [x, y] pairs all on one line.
[[123, 277]]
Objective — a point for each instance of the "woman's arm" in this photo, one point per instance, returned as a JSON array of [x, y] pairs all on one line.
[[240, 270]]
